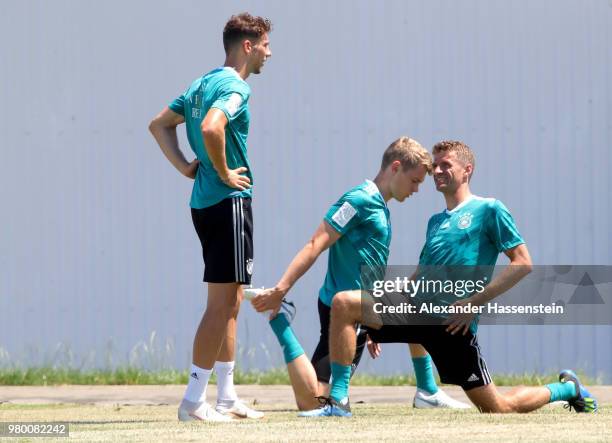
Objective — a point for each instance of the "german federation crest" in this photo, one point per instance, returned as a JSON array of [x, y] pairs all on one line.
[[465, 221]]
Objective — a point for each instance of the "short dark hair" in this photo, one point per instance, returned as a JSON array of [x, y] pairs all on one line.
[[242, 26]]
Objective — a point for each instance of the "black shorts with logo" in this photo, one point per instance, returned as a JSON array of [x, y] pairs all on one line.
[[226, 234], [320, 358], [457, 357]]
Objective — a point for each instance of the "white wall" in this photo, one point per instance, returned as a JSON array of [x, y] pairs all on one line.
[[97, 243]]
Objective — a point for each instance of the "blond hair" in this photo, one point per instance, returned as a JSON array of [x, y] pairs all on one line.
[[409, 153]]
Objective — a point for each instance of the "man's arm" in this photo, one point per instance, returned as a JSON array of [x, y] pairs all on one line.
[[520, 266], [163, 128], [323, 238], [213, 133]]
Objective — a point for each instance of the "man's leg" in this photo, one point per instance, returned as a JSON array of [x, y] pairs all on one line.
[[322, 364], [423, 369], [223, 302], [228, 402], [427, 394], [306, 387], [301, 372], [227, 353], [460, 361], [320, 357], [521, 399], [224, 366], [345, 314], [526, 399]]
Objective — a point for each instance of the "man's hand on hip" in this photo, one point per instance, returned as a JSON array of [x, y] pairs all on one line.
[[233, 179]]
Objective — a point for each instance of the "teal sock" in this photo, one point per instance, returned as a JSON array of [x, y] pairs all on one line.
[[561, 391], [424, 374], [341, 377], [287, 339]]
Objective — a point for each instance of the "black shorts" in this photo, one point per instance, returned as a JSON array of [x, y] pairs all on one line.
[[226, 233], [457, 357], [320, 358]]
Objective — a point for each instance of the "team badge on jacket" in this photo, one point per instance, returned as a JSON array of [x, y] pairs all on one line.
[[464, 221]]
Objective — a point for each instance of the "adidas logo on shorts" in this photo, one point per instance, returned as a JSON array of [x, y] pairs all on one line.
[[473, 377]]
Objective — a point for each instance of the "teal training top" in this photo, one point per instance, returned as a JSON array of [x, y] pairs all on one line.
[[362, 218], [224, 89], [473, 233]]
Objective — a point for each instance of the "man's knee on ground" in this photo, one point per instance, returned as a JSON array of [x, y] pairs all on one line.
[[488, 400], [307, 400]]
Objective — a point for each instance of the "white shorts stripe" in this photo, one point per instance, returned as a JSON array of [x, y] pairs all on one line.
[[235, 220], [472, 344], [484, 373], [241, 241]]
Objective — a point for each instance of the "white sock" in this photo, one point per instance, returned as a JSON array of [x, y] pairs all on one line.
[[226, 393], [198, 382]]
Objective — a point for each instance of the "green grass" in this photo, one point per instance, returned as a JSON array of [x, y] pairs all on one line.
[[371, 422], [134, 376]]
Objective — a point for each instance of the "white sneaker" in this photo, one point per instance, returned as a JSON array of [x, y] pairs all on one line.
[[423, 400], [189, 411], [238, 410]]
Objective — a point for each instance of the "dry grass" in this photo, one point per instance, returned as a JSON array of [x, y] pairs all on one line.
[[386, 422]]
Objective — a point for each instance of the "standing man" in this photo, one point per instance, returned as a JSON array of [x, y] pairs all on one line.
[[216, 114], [471, 231]]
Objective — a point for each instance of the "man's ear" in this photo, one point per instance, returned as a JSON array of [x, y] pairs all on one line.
[[469, 168], [247, 46]]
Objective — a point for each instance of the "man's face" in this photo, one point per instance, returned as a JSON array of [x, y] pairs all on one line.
[[260, 52], [405, 183], [449, 172]]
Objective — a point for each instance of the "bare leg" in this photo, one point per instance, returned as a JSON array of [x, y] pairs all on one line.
[[520, 399], [223, 304], [302, 374], [324, 389], [346, 311], [417, 350], [228, 348], [304, 383]]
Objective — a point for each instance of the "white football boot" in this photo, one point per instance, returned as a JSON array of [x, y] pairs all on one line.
[[424, 400], [238, 410], [189, 411]]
